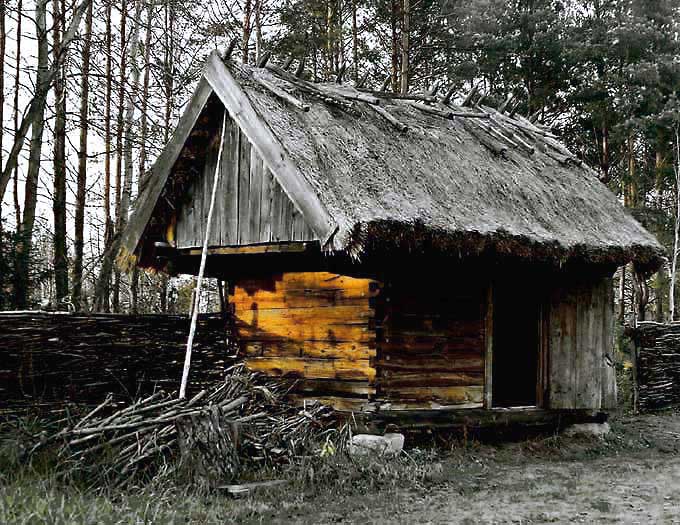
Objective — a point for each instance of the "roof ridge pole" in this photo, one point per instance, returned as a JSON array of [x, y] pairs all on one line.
[[204, 256]]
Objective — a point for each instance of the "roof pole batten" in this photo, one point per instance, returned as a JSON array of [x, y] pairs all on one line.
[[400, 126], [281, 94]]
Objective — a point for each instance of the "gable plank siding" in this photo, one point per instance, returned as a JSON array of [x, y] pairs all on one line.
[[266, 205], [268, 146], [251, 207], [255, 204], [243, 189]]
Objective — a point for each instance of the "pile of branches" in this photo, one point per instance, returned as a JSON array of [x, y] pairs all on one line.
[[658, 365], [220, 431]]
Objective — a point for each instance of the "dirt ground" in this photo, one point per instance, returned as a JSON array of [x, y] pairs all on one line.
[[632, 476]]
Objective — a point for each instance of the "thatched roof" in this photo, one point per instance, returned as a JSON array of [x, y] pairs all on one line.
[[451, 181]]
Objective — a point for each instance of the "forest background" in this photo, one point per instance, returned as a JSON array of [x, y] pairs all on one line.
[[91, 91]]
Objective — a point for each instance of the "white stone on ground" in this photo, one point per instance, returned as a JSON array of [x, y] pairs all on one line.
[[390, 444], [587, 429]]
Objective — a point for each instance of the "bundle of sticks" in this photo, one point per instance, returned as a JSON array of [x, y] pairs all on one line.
[[247, 416]]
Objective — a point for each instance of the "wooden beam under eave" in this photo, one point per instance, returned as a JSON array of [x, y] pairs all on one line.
[[278, 247], [269, 147]]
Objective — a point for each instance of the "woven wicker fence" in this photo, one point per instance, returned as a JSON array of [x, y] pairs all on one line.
[[49, 358]]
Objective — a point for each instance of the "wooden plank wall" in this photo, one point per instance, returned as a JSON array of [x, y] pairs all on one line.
[[581, 345], [316, 326], [251, 207], [431, 344]]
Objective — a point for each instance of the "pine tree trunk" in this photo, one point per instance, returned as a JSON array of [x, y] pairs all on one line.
[[135, 284], [355, 44], [17, 86], [3, 40], [22, 269], [59, 195], [115, 305], [405, 47], [81, 189], [394, 17], [102, 289], [258, 29], [247, 13]]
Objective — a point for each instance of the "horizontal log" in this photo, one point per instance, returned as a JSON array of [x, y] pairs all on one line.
[[348, 350], [342, 404], [470, 364], [328, 387], [388, 379], [305, 368], [449, 395]]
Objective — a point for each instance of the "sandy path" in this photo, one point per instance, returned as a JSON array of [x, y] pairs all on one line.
[[612, 490]]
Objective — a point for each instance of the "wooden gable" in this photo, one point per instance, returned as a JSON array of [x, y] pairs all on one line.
[[251, 207]]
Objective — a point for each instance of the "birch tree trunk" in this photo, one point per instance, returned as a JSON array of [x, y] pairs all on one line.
[[17, 86], [355, 44], [405, 46], [102, 288], [247, 14], [81, 189], [676, 230]]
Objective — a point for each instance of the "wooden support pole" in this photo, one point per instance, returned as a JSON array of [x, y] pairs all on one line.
[[386, 83], [301, 68], [201, 271], [449, 94], [362, 80], [341, 73], [470, 96], [230, 49], [488, 351], [287, 63], [264, 59]]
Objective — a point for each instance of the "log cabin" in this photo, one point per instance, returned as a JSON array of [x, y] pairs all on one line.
[[396, 254]]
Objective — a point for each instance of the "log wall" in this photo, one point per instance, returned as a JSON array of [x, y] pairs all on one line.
[[430, 349], [316, 326], [250, 206]]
